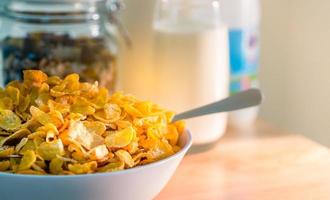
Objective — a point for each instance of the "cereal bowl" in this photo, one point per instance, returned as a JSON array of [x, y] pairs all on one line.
[[142, 182]]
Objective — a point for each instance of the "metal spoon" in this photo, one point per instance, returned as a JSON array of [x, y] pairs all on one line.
[[244, 99]]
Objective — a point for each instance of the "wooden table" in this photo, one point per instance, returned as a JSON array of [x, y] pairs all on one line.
[[258, 163]]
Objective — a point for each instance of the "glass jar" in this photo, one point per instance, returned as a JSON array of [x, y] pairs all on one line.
[[59, 37], [191, 63]]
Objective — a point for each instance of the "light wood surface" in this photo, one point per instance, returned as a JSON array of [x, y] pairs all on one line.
[[256, 163]]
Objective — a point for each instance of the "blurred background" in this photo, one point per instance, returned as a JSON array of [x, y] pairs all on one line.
[[294, 61], [295, 66]]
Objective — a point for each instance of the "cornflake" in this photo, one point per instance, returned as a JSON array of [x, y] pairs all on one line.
[[55, 126]]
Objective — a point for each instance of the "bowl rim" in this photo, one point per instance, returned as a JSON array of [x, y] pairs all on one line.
[[183, 151]]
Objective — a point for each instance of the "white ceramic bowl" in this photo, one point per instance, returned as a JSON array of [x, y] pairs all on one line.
[[143, 182]]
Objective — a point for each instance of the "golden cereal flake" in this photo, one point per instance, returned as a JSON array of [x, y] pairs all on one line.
[[125, 157], [82, 135], [98, 153], [9, 120], [27, 161], [49, 150], [120, 138]]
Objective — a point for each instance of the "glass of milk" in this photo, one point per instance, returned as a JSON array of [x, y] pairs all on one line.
[[190, 62]]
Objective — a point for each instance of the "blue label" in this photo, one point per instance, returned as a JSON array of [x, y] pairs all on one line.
[[244, 58]]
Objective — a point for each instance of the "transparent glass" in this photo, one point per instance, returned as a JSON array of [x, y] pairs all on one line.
[[188, 15], [58, 37], [191, 62]]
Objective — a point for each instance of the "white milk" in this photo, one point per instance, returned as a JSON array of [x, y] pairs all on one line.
[[191, 69]]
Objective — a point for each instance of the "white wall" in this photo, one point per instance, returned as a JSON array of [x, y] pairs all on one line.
[[274, 55], [295, 63]]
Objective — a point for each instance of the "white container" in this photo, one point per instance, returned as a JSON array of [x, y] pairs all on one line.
[[243, 19], [191, 62]]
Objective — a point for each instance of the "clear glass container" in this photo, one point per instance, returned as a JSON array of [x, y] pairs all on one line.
[[191, 62], [59, 37]]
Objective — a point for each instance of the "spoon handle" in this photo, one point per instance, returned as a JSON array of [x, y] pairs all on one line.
[[244, 99]]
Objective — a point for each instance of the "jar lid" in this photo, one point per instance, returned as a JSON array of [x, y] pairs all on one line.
[[69, 1], [38, 11], [113, 5], [47, 11]]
